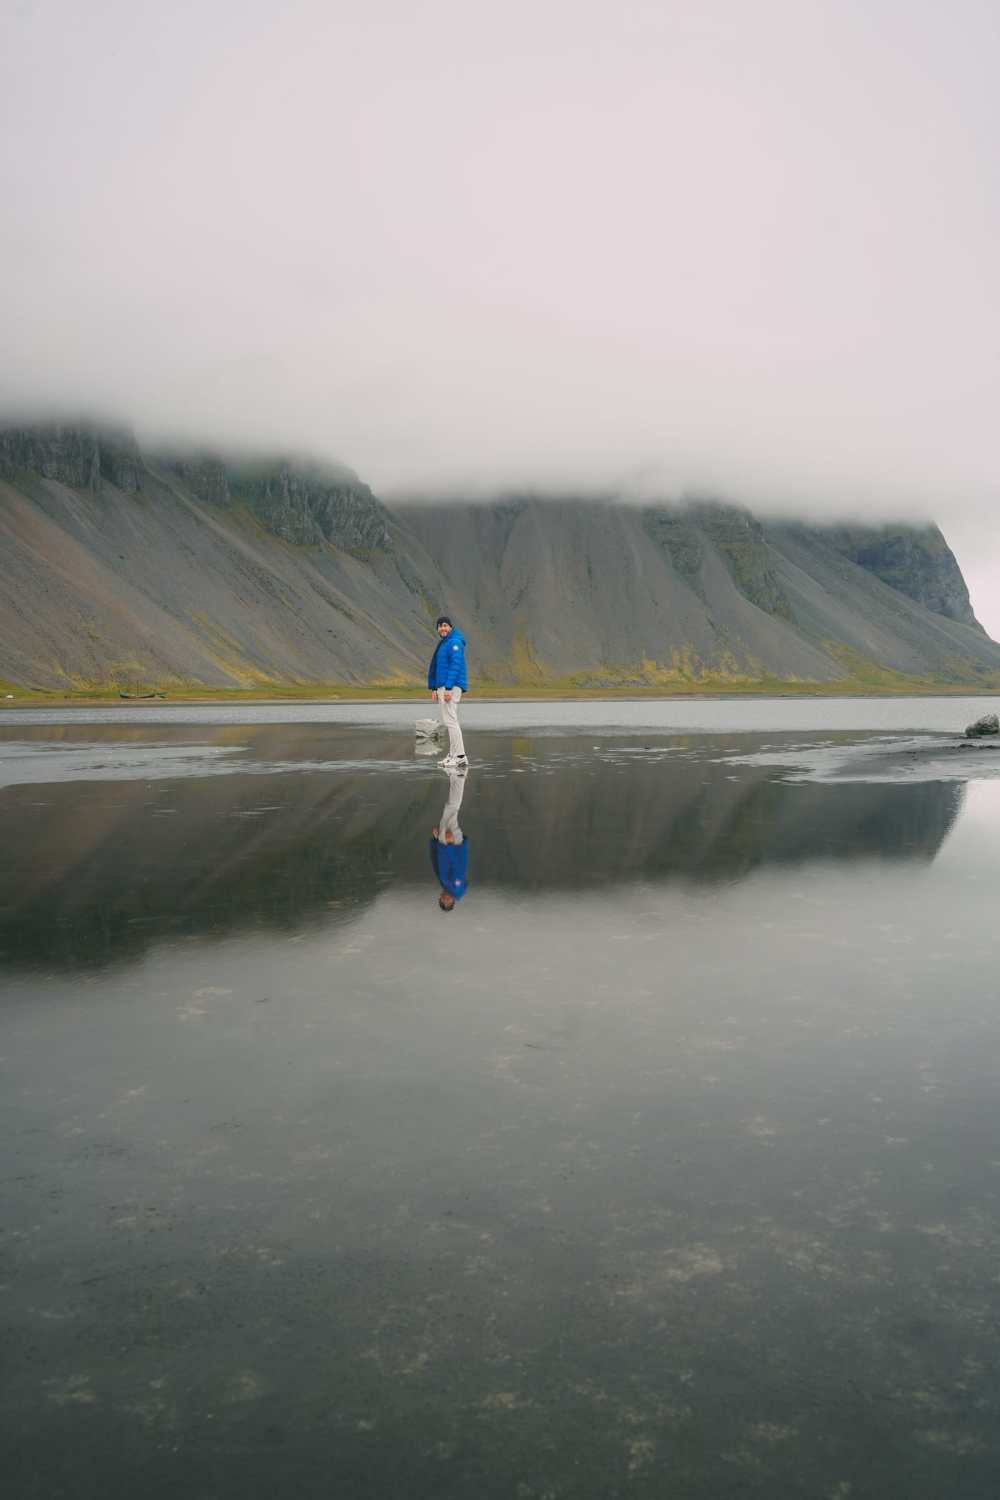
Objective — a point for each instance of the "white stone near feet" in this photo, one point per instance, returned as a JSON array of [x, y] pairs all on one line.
[[454, 763]]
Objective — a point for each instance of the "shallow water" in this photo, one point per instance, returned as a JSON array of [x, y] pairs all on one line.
[[666, 1163], [687, 715]]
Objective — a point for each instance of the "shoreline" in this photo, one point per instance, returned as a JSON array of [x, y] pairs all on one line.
[[492, 695]]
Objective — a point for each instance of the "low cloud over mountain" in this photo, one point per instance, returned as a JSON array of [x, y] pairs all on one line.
[[661, 249]]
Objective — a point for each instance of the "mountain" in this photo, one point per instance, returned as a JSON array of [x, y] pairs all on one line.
[[182, 568], [117, 567]]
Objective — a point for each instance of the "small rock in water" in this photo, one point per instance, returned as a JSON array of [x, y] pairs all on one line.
[[988, 724]]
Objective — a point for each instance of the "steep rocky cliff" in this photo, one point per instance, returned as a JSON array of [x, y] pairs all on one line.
[[915, 560], [172, 568], [300, 502], [735, 535], [76, 455]]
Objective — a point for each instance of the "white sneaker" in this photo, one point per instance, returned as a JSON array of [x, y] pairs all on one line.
[[454, 763]]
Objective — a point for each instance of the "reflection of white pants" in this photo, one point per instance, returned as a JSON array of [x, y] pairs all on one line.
[[449, 815], [449, 718]]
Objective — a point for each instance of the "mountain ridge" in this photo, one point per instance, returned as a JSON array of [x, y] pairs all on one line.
[[185, 567]]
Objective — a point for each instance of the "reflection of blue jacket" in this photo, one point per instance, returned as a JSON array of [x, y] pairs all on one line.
[[447, 669], [450, 863]]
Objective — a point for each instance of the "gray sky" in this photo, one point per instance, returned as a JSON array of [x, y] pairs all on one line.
[[743, 246]]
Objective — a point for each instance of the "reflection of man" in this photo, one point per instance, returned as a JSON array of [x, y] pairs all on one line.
[[447, 680], [450, 848]]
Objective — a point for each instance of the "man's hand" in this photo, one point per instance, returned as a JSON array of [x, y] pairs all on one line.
[[434, 695], [447, 695]]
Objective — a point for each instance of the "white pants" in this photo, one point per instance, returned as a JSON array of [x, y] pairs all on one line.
[[449, 814], [449, 718]]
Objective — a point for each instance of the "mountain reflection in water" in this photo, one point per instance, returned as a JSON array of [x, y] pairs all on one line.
[[95, 872]]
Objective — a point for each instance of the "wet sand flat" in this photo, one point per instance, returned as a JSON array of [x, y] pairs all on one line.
[[666, 1163]]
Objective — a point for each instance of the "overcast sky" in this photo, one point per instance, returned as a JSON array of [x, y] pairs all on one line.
[[738, 246]]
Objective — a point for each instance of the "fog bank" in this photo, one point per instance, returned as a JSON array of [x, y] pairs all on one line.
[[747, 250]]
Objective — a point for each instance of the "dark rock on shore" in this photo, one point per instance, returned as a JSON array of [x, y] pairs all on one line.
[[988, 724]]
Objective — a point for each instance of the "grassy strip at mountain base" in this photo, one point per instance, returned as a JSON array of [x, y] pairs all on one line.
[[875, 682], [523, 675], [684, 677], [871, 676]]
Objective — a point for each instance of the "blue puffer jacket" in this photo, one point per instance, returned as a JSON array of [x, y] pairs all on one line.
[[447, 669], [450, 863]]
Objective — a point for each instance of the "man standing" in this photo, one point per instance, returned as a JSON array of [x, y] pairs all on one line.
[[447, 680]]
